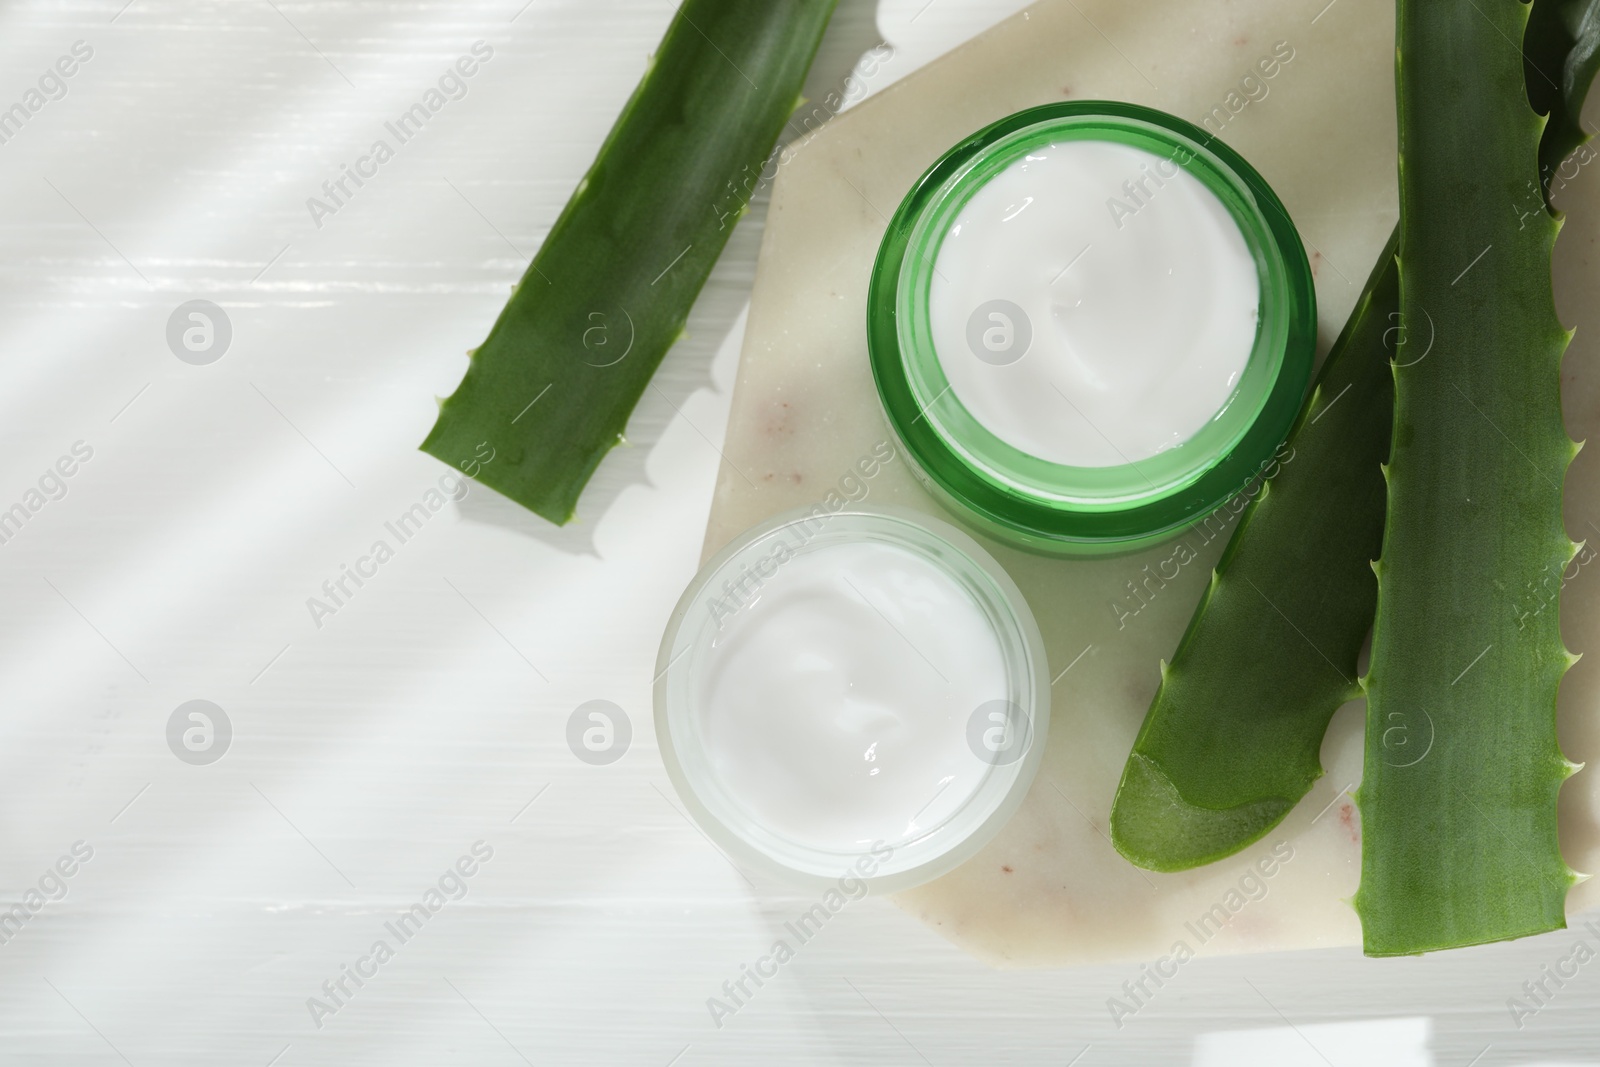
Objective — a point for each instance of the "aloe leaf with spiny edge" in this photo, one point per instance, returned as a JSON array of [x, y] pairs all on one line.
[[1462, 766], [1230, 743], [610, 288]]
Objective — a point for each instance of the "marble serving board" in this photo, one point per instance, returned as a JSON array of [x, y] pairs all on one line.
[[1050, 890]]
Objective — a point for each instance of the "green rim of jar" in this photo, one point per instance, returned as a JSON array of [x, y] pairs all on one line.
[[1056, 508]]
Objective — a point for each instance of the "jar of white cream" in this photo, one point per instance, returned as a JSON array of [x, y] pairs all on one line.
[[1090, 324], [859, 693]]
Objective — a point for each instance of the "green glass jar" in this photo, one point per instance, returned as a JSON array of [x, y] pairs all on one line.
[[1047, 506]]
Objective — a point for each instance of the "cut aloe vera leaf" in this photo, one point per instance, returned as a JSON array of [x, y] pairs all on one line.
[[1462, 766], [1230, 743], [610, 289]]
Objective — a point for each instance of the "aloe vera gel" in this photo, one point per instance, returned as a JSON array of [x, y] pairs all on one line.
[[1089, 325]]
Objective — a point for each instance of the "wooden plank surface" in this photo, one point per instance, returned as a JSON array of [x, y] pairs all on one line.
[[430, 710]]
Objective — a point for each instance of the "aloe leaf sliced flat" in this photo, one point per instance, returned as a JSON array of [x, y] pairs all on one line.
[[1230, 743], [1462, 765], [609, 291]]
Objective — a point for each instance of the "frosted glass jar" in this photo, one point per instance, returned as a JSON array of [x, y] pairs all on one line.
[[860, 694]]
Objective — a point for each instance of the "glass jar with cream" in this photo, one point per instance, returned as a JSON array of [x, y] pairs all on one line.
[[852, 693], [1090, 324]]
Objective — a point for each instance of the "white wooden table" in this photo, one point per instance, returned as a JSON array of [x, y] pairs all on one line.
[[371, 748]]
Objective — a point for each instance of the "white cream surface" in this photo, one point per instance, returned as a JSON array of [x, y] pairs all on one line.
[[834, 705], [1135, 284]]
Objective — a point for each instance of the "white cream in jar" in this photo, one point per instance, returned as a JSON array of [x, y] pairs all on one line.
[[1093, 304], [852, 690], [836, 701]]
